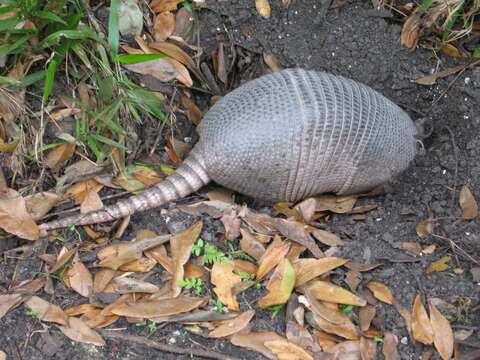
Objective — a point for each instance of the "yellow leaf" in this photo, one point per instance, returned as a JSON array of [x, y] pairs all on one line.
[[280, 285], [439, 265], [381, 291], [263, 8]]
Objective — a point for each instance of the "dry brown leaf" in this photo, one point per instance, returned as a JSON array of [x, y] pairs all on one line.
[[307, 270], [421, 327], [250, 245], [94, 319], [64, 256], [231, 222], [80, 278], [157, 308], [297, 232], [139, 265], [326, 291], [361, 267], [91, 200], [285, 349], [182, 73], [272, 256], [368, 348], [59, 155], [162, 69], [353, 279], [14, 217], [64, 113], [163, 26], [412, 246], [430, 249], [77, 330], [8, 302], [159, 6], [224, 279], [410, 31], [424, 228], [126, 285], [255, 341], [327, 238], [232, 326], [194, 114], [263, 8], [47, 311], [432, 79], [160, 255], [442, 333], [381, 291], [79, 309], [280, 285], [390, 342], [328, 313], [272, 62], [78, 191], [365, 316], [468, 204], [439, 265], [114, 256], [336, 204], [39, 204], [345, 330], [181, 246], [244, 266]]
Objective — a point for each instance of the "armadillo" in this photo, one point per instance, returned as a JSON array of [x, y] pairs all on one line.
[[282, 137]]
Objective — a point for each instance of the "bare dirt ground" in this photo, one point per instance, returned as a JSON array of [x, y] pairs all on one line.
[[354, 41]]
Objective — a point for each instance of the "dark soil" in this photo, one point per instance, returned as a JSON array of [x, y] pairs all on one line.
[[354, 42]]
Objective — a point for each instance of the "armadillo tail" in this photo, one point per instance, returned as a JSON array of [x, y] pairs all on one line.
[[190, 176]]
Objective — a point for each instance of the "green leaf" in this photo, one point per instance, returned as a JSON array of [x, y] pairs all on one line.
[[113, 31], [138, 58], [32, 78], [9, 81], [85, 33], [49, 78], [50, 16], [14, 47], [476, 53], [107, 141], [426, 4], [10, 23]]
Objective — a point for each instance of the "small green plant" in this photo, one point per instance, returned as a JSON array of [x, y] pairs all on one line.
[[152, 326], [246, 276], [219, 307], [60, 239], [275, 309], [347, 309], [378, 339], [192, 283], [32, 313], [197, 247], [211, 254]]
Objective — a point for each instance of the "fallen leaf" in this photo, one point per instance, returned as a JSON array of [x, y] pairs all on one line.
[[442, 333], [468, 204], [80, 278], [8, 302], [307, 270], [272, 62], [59, 155], [255, 341], [432, 79], [181, 246], [159, 6], [224, 279], [326, 291], [162, 69], [47, 311], [365, 316], [127, 285], [412, 246], [389, 349], [182, 73], [163, 26], [79, 309], [91, 200], [285, 349], [250, 245], [410, 31], [296, 231], [159, 253], [272, 256], [14, 217], [157, 308], [424, 228], [263, 8], [327, 238], [280, 285], [77, 330], [336, 204], [361, 267], [64, 256], [94, 319], [368, 348], [244, 266], [232, 326], [439, 265], [430, 249], [421, 327], [329, 313], [381, 291], [139, 265], [353, 279], [231, 222], [194, 114], [39, 204]]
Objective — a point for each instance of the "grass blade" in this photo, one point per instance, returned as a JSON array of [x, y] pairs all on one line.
[[113, 30]]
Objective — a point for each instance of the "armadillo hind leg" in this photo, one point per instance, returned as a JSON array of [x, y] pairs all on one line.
[[189, 177]]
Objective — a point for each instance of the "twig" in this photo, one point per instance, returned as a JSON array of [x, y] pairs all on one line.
[[455, 175], [455, 246], [166, 348]]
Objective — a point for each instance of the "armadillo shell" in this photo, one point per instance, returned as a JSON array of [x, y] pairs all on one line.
[[295, 133]]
